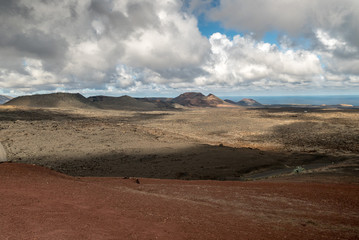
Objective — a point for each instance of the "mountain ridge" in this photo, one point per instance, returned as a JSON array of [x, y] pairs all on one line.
[[197, 99], [52, 100], [76, 100], [246, 102], [4, 99]]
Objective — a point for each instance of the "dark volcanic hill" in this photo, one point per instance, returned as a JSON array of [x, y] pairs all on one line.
[[163, 103], [247, 102], [230, 101], [196, 99], [124, 103], [53, 100], [4, 99]]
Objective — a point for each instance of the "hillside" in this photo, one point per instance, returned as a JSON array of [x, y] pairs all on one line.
[[38, 203], [196, 99], [162, 103], [123, 103], [53, 100], [4, 99], [247, 102], [71, 100]]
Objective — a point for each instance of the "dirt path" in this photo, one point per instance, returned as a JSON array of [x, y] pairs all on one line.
[[37, 203]]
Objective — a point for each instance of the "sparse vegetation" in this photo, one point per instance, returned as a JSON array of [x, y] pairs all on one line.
[[299, 169]]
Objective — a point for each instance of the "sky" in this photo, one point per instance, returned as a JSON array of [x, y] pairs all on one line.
[[167, 47]]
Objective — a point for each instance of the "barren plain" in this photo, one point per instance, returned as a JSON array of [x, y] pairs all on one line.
[[104, 152], [192, 143]]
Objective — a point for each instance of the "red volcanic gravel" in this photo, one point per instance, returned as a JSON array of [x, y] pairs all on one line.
[[38, 203]]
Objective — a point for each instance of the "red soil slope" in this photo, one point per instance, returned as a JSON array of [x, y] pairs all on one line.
[[37, 203]]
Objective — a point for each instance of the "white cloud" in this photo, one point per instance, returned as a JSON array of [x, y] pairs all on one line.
[[176, 43], [33, 77], [86, 41], [133, 46], [291, 16], [245, 61]]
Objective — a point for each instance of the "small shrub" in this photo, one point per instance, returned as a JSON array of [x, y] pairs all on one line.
[[299, 169]]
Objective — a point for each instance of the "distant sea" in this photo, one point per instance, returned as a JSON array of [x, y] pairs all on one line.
[[311, 100]]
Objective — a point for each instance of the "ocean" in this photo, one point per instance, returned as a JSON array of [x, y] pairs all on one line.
[[311, 100]]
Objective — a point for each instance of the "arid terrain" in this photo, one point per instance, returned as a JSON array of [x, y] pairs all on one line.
[[192, 143], [305, 163], [37, 203]]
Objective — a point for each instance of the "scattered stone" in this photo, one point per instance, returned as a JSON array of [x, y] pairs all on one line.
[[137, 181], [2, 154]]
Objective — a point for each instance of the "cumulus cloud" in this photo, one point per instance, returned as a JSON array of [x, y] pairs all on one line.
[[99, 46], [32, 77], [291, 16], [326, 23], [88, 43], [340, 60], [329, 26], [247, 62]]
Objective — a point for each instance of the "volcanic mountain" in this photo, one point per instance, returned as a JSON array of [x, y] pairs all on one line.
[[247, 102], [196, 99], [124, 103], [53, 100], [4, 99]]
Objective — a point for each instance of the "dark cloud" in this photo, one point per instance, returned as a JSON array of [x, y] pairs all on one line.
[[14, 7], [35, 43], [101, 7]]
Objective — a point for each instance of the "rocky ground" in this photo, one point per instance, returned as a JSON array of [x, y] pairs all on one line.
[[318, 200], [201, 143]]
